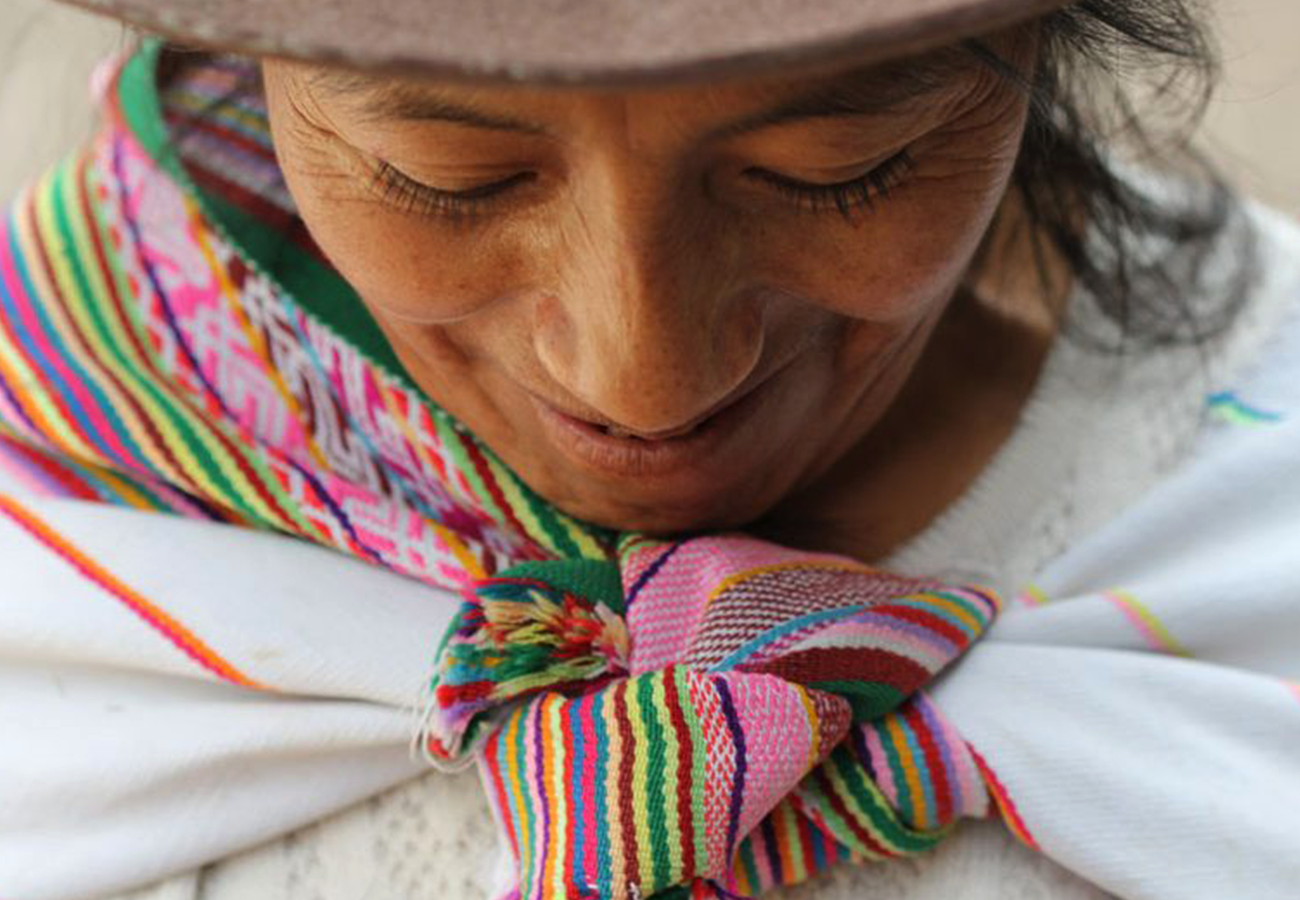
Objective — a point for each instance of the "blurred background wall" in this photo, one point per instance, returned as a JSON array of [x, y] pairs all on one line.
[[1253, 129]]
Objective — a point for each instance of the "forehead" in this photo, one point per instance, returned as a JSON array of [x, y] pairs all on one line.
[[736, 106]]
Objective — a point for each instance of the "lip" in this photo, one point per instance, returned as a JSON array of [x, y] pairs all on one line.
[[694, 449]]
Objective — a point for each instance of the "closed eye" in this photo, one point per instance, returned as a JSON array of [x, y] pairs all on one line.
[[864, 191]]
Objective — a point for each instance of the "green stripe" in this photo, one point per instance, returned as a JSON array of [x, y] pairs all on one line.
[[316, 287], [882, 821], [59, 205], [654, 746], [745, 855], [699, 779], [868, 699]]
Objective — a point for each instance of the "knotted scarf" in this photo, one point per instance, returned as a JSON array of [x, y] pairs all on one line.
[[741, 701], [233, 531]]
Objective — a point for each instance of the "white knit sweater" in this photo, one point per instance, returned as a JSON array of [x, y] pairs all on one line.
[[1096, 433]]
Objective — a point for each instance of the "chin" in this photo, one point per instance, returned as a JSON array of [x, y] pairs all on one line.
[[663, 517]]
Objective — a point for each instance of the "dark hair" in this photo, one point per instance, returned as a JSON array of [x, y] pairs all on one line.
[[1134, 75], [1129, 76]]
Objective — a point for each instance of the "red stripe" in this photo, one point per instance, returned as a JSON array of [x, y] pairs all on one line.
[[176, 633], [626, 783], [929, 620], [933, 761], [804, 828], [75, 486], [183, 119], [48, 361], [106, 276], [485, 473], [215, 431], [868, 664], [837, 803], [685, 758], [1005, 804], [492, 762]]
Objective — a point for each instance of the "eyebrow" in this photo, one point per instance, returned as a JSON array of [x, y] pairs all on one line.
[[871, 91]]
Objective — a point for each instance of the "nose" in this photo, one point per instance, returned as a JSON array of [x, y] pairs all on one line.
[[650, 327]]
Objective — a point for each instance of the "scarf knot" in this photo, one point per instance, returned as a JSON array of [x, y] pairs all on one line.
[[722, 696]]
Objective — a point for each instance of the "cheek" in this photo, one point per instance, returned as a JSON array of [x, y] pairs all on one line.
[[409, 268], [894, 262]]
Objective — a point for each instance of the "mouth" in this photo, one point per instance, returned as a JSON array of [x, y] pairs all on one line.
[[695, 451]]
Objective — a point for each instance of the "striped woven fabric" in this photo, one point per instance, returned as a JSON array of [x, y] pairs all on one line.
[[707, 718], [147, 360], [744, 716]]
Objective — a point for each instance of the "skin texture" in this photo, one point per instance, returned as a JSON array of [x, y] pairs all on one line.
[[649, 264]]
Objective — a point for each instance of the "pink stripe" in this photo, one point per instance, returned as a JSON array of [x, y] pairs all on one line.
[[971, 800], [36, 331], [1154, 641], [880, 762], [591, 835], [762, 860], [30, 476], [530, 772], [889, 634]]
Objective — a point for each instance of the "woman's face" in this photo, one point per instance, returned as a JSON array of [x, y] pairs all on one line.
[[666, 308]]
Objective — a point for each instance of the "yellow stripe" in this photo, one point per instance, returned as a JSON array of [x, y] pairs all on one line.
[[124, 489], [793, 864], [814, 723], [512, 770], [68, 285], [1158, 631], [553, 747], [37, 404], [588, 546], [31, 387], [640, 777], [850, 801], [972, 621], [254, 337], [1034, 595], [72, 323], [459, 548], [910, 774]]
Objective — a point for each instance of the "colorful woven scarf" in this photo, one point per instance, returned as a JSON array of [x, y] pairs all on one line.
[[735, 718], [705, 718]]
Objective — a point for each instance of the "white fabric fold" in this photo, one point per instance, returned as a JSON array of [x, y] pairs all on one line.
[[123, 760]]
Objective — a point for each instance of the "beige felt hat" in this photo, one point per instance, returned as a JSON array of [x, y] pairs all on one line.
[[592, 42]]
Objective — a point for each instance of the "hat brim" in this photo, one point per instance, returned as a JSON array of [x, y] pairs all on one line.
[[603, 43]]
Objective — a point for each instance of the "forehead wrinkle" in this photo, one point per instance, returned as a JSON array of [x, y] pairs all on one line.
[[873, 90], [380, 99]]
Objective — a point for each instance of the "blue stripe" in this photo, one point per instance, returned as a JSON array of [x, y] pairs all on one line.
[[755, 644], [45, 363]]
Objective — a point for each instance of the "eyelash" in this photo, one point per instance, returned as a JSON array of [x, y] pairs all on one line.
[[844, 197], [409, 195]]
